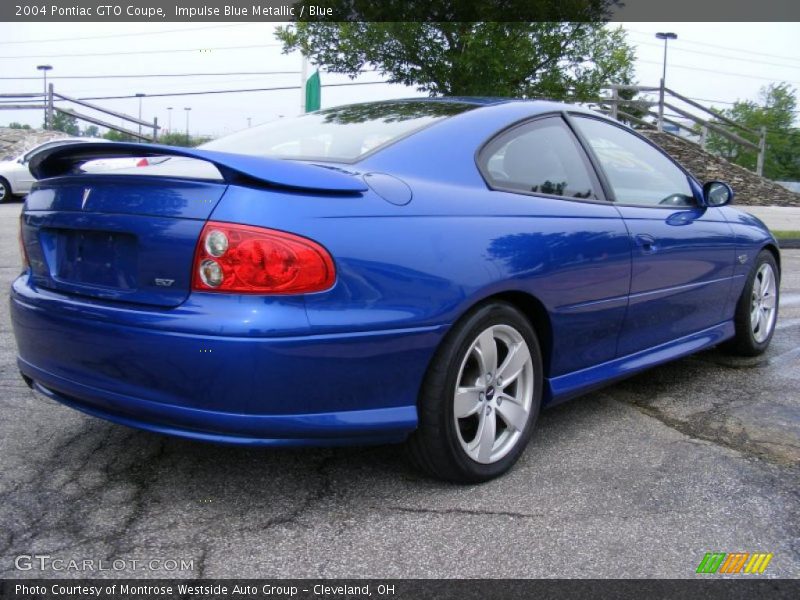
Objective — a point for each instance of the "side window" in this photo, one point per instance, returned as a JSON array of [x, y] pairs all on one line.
[[541, 157], [638, 172]]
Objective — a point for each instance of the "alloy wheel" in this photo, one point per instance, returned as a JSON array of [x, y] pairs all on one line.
[[494, 394], [763, 303]]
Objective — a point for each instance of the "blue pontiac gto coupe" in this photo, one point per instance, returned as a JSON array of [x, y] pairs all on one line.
[[428, 271]]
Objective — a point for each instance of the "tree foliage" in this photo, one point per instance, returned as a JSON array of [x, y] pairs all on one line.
[[776, 111], [92, 131], [118, 136], [172, 138], [559, 60], [16, 125], [66, 123]]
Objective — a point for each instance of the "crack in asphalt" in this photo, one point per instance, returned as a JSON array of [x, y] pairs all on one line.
[[42, 491], [314, 497], [142, 477], [461, 511], [522, 515], [31, 500], [698, 428]]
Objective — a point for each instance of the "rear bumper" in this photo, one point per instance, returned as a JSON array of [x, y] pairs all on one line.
[[382, 425], [356, 387]]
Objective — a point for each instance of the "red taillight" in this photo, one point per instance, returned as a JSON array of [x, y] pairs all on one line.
[[142, 162], [255, 260], [23, 253]]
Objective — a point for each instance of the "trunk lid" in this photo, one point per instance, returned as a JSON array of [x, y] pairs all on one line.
[[117, 238], [129, 235]]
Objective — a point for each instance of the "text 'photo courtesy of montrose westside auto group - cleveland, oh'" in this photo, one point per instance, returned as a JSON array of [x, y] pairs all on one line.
[[448, 299]]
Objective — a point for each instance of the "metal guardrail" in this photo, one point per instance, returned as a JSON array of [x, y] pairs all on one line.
[[614, 105], [48, 105]]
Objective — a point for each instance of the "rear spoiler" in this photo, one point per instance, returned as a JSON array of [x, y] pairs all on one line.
[[61, 160]]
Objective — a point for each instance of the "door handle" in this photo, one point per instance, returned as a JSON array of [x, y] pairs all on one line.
[[646, 242]]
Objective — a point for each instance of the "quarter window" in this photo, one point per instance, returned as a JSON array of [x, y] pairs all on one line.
[[638, 173], [539, 157]]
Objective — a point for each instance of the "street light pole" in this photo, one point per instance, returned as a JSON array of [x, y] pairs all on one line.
[[666, 36], [187, 109], [140, 96], [169, 119], [44, 69]]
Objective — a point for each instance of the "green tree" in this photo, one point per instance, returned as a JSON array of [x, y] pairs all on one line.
[[168, 139], [66, 123], [92, 131], [118, 136], [776, 110], [559, 60], [16, 125], [174, 138]]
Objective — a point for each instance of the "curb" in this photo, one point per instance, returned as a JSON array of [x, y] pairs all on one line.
[[790, 244]]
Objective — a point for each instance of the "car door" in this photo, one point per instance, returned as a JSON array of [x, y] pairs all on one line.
[[683, 252], [570, 248]]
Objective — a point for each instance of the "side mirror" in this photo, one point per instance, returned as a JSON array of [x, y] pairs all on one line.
[[717, 193]]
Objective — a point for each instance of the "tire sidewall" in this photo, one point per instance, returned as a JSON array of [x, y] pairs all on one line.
[[7, 187], [746, 299], [481, 319]]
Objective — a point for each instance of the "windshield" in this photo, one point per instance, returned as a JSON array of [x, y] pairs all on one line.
[[342, 134]]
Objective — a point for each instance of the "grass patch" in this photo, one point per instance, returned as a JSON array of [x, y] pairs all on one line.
[[787, 235]]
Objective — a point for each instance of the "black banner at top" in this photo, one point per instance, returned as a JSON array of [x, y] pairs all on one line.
[[397, 10]]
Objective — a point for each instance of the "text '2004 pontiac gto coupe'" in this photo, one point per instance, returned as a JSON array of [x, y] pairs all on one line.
[[427, 271]]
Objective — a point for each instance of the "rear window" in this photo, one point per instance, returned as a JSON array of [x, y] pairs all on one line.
[[342, 134]]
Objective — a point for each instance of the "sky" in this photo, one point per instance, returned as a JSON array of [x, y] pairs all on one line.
[[717, 63]]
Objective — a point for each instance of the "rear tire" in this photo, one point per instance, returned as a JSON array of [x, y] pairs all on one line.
[[757, 309], [478, 433], [5, 191]]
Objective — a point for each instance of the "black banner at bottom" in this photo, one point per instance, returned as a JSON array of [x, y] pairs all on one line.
[[398, 589]]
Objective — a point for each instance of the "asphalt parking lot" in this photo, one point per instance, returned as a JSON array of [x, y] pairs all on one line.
[[640, 479]]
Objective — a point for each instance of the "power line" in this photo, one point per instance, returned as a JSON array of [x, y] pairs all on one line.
[[148, 75], [718, 72], [117, 35], [269, 89], [170, 51], [729, 57], [684, 41]]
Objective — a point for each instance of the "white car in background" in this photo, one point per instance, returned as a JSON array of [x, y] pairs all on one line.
[[16, 178]]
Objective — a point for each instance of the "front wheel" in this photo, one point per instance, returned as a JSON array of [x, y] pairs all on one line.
[[757, 309], [480, 398]]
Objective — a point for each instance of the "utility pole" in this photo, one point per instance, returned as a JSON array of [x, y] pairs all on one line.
[[249, 119], [187, 109], [666, 36], [169, 119], [140, 96], [762, 151], [44, 69], [303, 77], [49, 105]]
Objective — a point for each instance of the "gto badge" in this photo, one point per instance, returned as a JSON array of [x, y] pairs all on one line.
[[86, 193], [164, 282], [742, 258]]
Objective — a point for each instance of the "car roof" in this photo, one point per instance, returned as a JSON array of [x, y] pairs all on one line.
[[534, 105]]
